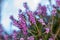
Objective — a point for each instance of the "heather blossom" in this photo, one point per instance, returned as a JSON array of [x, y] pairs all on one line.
[[40, 39], [44, 9], [22, 22], [25, 5], [39, 11], [30, 38], [58, 3], [1, 29], [31, 17], [51, 39], [21, 38], [47, 30], [54, 11], [35, 31], [5, 37], [15, 22], [14, 35], [41, 21], [20, 11]]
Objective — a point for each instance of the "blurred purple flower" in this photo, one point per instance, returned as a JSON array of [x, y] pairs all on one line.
[[31, 17], [14, 35], [15, 22], [22, 22], [1, 29], [21, 38], [39, 6], [25, 5], [12, 18], [40, 39], [47, 30], [39, 11], [54, 11], [30, 38], [44, 9], [5, 37], [58, 3], [51, 39], [41, 21], [20, 11]]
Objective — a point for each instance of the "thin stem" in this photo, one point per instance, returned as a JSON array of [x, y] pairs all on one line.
[[57, 32], [32, 33], [38, 30], [52, 24]]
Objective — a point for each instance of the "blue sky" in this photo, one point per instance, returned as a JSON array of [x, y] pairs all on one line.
[[11, 7]]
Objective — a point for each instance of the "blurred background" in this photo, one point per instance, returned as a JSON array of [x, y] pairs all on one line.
[[11, 7]]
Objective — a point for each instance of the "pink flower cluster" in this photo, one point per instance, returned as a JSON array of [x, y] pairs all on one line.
[[47, 30], [54, 11], [31, 17], [41, 21], [58, 3], [29, 38], [41, 10], [14, 35], [1, 29], [21, 23]]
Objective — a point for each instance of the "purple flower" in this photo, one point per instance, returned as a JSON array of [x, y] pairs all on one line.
[[23, 25], [5, 37], [14, 35], [20, 11], [22, 19], [24, 30], [1, 29], [12, 18], [39, 6], [15, 22], [31, 17], [44, 9], [58, 3], [30, 38], [47, 30], [54, 11], [39, 11], [25, 5], [41, 21], [51, 39], [21, 38], [40, 39]]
